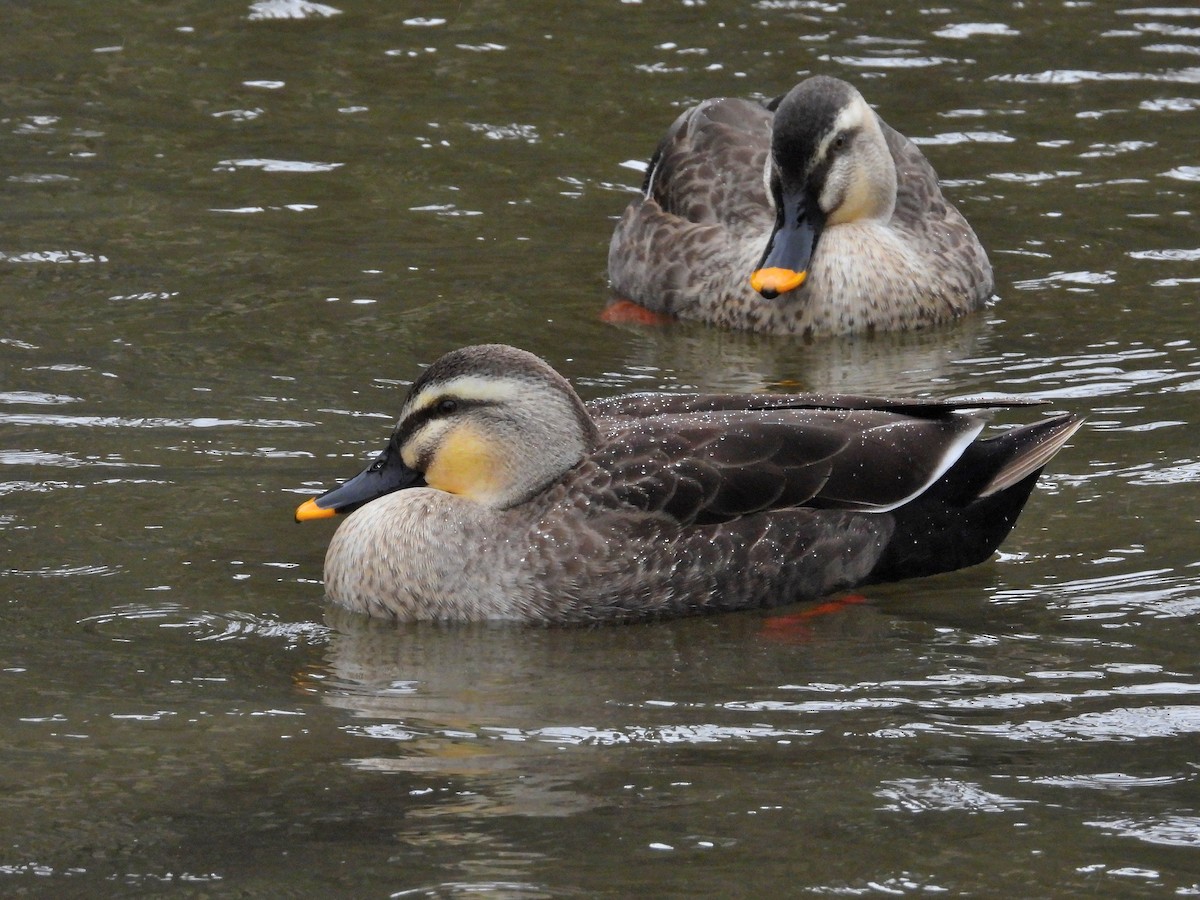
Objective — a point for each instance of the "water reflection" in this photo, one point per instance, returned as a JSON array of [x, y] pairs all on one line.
[[579, 736], [687, 357], [1119, 599], [203, 203], [138, 620], [446, 699], [943, 795], [1170, 831]]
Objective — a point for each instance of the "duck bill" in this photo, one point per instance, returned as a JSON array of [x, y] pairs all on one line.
[[385, 475], [785, 262]]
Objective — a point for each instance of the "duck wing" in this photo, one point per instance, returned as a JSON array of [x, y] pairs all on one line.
[[917, 190], [718, 466], [935, 224], [708, 168], [649, 403], [702, 217]]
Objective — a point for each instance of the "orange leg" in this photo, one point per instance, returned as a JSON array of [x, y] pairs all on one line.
[[794, 626], [625, 312]]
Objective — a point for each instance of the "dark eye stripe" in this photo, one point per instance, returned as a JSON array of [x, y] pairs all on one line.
[[439, 409]]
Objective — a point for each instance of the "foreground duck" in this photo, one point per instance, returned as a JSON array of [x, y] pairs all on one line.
[[807, 216], [501, 495]]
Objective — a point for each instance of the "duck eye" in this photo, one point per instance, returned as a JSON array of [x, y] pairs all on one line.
[[446, 406], [380, 461]]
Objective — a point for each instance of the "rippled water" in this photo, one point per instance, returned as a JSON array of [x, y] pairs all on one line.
[[233, 232]]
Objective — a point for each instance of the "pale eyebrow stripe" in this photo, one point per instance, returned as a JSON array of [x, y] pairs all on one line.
[[469, 387]]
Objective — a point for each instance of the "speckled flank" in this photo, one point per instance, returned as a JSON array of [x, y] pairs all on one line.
[[680, 504], [690, 243]]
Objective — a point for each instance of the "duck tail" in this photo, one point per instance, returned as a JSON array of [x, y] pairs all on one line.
[[1026, 450], [963, 516]]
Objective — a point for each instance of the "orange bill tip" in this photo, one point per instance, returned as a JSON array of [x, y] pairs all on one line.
[[778, 281], [308, 510]]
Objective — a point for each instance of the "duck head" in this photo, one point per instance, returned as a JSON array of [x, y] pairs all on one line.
[[490, 423], [829, 164]]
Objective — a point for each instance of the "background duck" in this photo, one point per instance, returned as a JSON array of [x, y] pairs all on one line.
[[806, 216], [501, 495]]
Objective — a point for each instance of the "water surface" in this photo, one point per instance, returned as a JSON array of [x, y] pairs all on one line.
[[234, 232]]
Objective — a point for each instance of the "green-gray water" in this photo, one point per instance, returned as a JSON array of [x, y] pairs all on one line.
[[231, 232]]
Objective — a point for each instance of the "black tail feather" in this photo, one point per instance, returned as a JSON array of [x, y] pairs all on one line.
[[964, 516]]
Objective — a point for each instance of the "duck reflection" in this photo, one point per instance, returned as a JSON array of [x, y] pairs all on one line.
[[465, 709], [490, 720], [685, 355]]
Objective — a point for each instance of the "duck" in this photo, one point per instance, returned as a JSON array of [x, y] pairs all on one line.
[[808, 215], [501, 495]]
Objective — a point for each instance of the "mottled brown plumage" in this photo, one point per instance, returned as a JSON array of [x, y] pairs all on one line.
[[661, 505], [730, 179]]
